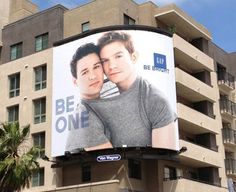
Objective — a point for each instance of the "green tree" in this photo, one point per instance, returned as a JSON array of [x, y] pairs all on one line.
[[17, 159]]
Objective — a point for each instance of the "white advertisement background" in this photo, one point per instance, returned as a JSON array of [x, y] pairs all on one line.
[[146, 43]]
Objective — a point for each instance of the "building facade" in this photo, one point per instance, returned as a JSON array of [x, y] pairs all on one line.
[[205, 89]]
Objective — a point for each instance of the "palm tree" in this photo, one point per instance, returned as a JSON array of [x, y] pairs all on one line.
[[17, 160]]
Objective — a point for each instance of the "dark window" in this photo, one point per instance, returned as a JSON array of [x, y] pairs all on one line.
[[225, 77], [128, 20], [203, 76], [205, 107], [209, 175], [193, 175], [169, 173], [13, 113], [38, 178], [85, 27], [41, 42], [135, 169], [14, 85], [16, 51], [40, 110], [207, 140], [202, 44], [39, 141], [86, 173], [40, 77], [221, 68]]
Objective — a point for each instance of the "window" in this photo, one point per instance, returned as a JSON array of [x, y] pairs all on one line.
[[86, 173], [16, 51], [134, 169], [41, 42], [205, 107], [39, 141], [128, 20], [169, 173], [13, 113], [85, 27], [179, 173], [40, 77], [193, 175], [40, 110], [38, 177], [14, 85]]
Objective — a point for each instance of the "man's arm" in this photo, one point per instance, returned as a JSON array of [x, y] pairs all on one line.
[[165, 137], [106, 145]]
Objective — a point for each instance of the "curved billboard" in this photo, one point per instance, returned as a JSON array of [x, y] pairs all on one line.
[[114, 88]]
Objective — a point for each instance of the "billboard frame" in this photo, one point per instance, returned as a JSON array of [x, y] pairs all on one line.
[[114, 28]]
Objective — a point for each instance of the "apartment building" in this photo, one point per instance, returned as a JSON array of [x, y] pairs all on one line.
[[205, 100], [224, 66]]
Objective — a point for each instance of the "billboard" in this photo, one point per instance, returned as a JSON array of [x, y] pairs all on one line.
[[114, 88]]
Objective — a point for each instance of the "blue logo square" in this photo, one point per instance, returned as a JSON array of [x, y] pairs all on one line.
[[159, 61]]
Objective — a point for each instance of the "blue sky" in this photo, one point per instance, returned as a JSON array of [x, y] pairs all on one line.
[[218, 16]]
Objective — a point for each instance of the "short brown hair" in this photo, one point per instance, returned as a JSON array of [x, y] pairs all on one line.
[[115, 36]]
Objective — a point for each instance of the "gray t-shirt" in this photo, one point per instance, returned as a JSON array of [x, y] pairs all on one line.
[[89, 133], [130, 117]]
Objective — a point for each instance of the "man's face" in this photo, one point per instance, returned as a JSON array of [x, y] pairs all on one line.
[[89, 76], [118, 64]]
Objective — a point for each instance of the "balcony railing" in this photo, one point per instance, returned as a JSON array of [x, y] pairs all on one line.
[[213, 148], [216, 183], [230, 166], [226, 78], [227, 106], [190, 185], [104, 186], [229, 135], [199, 155]]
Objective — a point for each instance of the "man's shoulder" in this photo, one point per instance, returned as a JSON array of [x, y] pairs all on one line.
[[149, 90], [81, 106]]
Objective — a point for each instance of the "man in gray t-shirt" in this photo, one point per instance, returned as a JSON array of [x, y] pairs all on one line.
[[144, 116], [132, 116], [88, 76]]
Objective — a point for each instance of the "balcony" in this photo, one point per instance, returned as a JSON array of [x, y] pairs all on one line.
[[104, 186], [227, 108], [172, 16], [230, 166], [195, 122], [188, 185], [190, 57], [199, 156], [229, 136], [225, 81], [192, 88], [206, 140]]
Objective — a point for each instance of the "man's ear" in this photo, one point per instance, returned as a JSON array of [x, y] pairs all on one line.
[[134, 56], [75, 82]]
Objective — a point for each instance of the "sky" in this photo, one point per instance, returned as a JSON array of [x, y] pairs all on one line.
[[218, 16]]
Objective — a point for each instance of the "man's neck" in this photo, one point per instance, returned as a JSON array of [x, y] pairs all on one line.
[[90, 97], [124, 86]]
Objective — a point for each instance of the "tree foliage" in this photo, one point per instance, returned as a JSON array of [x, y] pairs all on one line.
[[17, 159]]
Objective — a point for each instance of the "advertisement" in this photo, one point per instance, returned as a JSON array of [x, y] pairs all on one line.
[[114, 88]]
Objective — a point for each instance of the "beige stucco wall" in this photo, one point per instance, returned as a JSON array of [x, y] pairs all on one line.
[[21, 8], [4, 15], [75, 17], [184, 185], [99, 14], [25, 100], [104, 13]]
